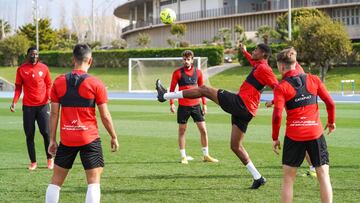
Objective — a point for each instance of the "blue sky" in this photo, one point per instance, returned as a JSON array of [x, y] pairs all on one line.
[[54, 9]]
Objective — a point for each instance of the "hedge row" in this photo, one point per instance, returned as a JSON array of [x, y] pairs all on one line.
[[356, 46], [119, 58]]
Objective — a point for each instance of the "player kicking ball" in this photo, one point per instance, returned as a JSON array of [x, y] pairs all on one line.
[[242, 106]]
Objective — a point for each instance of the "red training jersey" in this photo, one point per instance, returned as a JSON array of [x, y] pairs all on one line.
[[176, 77], [78, 125], [36, 81], [264, 75], [302, 123]]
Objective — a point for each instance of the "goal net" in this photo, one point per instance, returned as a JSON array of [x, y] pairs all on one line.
[[143, 72]]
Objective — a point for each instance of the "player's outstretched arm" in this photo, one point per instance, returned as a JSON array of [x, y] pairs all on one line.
[[108, 124], [54, 119], [247, 55]]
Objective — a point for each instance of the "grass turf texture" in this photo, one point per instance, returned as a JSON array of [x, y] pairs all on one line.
[[147, 168], [117, 79]]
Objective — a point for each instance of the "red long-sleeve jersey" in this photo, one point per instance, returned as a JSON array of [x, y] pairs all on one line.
[[264, 75], [36, 81], [302, 123], [176, 77]]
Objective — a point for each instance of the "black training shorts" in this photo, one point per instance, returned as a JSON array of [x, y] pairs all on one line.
[[184, 112], [91, 155], [232, 104], [294, 152]]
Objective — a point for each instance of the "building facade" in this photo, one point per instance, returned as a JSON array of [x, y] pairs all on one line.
[[204, 18]]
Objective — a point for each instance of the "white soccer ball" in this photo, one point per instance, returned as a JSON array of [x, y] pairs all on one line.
[[167, 16]]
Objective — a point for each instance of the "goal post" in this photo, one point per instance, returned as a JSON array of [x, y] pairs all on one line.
[[347, 87], [143, 72]]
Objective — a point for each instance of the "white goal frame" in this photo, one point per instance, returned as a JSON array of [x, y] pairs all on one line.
[[352, 82], [153, 59]]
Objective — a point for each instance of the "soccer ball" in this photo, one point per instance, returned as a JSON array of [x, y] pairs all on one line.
[[167, 16]]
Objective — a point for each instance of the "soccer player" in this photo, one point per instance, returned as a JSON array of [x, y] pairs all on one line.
[[292, 54], [242, 106], [298, 93], [188, 77], [76, 94], [35, 78]]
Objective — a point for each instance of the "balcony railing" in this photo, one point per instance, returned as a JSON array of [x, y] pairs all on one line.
[[255, 7]]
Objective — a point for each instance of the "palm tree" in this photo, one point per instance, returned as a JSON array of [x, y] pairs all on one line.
[[266, 32], [5, 28], [240, 32], [143, 40]]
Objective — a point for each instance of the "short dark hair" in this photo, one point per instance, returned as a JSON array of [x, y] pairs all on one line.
[[188, 53], [265, 49], [31, 49], [81, 52]]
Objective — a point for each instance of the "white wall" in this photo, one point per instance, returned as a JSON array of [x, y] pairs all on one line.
[[190, 6], [211, 4], [195, 5]]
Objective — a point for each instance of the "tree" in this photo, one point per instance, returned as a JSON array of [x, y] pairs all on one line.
[[266, 33], [143, 40], [240, 34], [7, 28], [47, 36], [119, 44], [95, 45], [224, 34], [321, 41], [12, 47], [178, 30], [296, 16], [65, 39]]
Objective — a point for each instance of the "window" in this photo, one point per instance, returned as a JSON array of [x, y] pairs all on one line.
[[167, 2]]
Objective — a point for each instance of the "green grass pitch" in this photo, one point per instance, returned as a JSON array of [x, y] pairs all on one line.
[[147, 168]]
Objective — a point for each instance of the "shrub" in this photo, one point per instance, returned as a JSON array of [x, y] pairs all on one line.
[[119, 58]]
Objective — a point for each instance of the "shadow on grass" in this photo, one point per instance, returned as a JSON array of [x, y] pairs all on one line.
[[22, 168], [140, 162], [151, 190], [344, 166], [180, 176]]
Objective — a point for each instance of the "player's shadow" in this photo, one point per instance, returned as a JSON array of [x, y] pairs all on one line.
[[148, 190], [139, 162], [22, 168], [191, 177]]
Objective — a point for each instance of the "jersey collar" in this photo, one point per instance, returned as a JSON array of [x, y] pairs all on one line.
[[291, 73]]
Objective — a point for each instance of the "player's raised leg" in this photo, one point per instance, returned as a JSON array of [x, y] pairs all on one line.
[[202, 91]]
